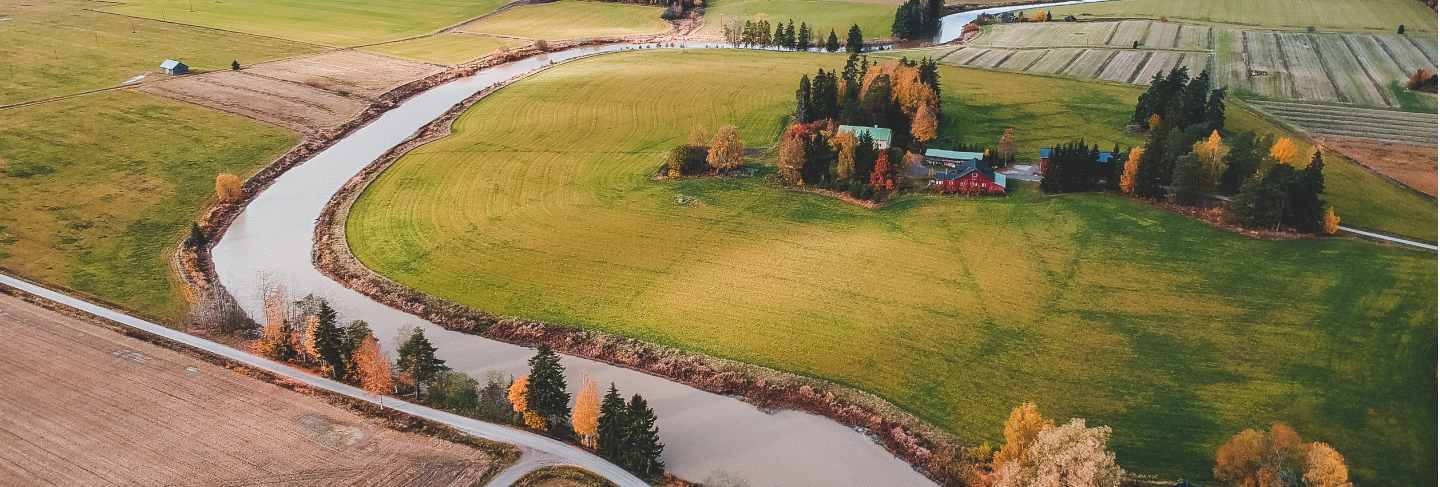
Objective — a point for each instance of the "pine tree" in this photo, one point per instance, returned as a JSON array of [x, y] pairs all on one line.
[[1215, 110], [416, 358], [802, 40], [832, 43], [1194, 104], [802, 100], [547, 396], [610, 429], [789, 41], [854, 40], [327, 342], [1306, 210], [235, 65], [777, 40], [1149, 181], [643, 448]]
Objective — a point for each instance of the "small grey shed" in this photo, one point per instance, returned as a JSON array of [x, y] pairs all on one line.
[[173, 67]]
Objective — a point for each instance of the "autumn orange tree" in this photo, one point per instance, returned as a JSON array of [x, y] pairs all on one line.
[[1332, 221], [726, 151], [1252, 458], [792, 154], [1021, 428], [880, 178], [844, 144], [1007, 146], [228, 187], [1132, 169], [1285, 152], [518, 391], [585, 418], [925, 125], [1212, 153], [372, 367]]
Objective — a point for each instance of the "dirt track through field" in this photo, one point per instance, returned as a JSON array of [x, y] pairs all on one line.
[[87, 406]]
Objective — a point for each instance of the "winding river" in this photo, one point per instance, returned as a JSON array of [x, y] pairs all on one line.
[[706, 435]]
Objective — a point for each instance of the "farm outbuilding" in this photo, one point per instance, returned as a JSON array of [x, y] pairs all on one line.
[[971, 178], [174, 68], [881, 136], [941, 157]]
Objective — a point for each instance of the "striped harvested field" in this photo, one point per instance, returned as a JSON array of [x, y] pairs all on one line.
[[1358, 69], [1305, 68], [1129, 33], [1162, 35], [1193, 37], [991, 58], [1022, 60], [1351, 80], [1056, 60], [1090, 63], [1159, 63], [1123, 65], [1363, 123], [1268, 75]]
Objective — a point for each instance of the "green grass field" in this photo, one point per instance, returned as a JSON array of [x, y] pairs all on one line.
[[448, 48], [1373, 15], [873, 16], [571, 19], [99, 189], [1175, 334], [339, 23], [59, 48]]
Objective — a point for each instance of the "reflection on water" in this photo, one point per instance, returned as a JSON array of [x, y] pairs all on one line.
[[704, 433]]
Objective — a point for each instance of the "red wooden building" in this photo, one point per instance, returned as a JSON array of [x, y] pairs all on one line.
[[970, 179]]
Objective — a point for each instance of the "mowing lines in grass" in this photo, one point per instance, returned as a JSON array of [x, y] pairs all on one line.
[[1162, 35], [1352, 81], [1193, 37], [1307, 72]]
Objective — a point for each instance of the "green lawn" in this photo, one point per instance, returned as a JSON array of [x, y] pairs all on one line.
[[873, 16], [1375, 15], [54, 48], [339, 23], [448, 48], [957, 309], [98, 190], [570, 19]]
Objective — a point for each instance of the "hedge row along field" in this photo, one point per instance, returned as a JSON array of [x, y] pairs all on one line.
[[542, 205]]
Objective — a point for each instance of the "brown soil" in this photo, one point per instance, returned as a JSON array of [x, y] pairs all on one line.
[[298, 107], [85, 405], [1412, 166], [347, 72]]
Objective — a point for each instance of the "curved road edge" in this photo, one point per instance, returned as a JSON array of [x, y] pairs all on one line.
[[536, 450]]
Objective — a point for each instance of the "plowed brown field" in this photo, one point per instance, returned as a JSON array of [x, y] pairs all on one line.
[[84, 405]]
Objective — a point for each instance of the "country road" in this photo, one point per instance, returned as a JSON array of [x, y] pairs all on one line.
[[536, 451]]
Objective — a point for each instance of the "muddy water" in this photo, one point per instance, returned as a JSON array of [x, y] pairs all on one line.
[[704, 434], [951, 26]]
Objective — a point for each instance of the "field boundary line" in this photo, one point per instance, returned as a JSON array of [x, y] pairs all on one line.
[[1325, 66], [467, 426], [1365, 68]]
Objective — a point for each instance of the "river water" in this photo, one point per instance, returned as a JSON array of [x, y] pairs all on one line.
[[705, 434]]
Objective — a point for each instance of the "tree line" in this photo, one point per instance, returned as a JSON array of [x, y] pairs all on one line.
[[918, 19], [758, 33], [902, 96], [308, 332], [1189, 157]]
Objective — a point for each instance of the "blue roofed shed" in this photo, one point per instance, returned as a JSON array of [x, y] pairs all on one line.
[[941, 155], [173, 67]]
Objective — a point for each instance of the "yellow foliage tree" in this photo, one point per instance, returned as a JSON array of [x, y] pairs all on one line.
[[518, 389], [1024, 424], [1212, 153], [311, 349], [1332, 221], [1237, 462], [844, 144], [1285, 152], [1007, 145], [372, 367], [228, 187], [533, 420], [1038, 16], [585, 418], [1155, 121], [726, 151], [925, 125], [1325, 467], [272, 342], [1132, 168]]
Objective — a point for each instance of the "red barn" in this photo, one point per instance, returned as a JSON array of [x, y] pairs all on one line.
[[970, 178]]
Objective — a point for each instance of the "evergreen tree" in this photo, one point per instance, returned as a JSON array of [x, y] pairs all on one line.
[[789, 41], [355, 333], [1194, 105], [1148, 181], [235, 65], [1215, 111], [610, 432], [1305, 209], [854, 40], [546, 395], [832, 43], [1191, 180], [416, 358], [330, 342], [802, 40], [930, 73], [196, 240], [802, 100], [865, 156], [1246, 152], [1261, 201], [642, 440], [778, 40], [877, 101]]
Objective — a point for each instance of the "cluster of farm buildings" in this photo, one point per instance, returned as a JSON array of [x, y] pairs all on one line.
[[955, 172]]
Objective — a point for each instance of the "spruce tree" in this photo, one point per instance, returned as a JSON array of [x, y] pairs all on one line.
[[1197, 94], [1246, 151], [610, 432], [330, 341], [1148, 181], [416, 357], [546, 395], [778, 40], [1215, 110], [832, 43], [642, 440], [802, 41], [802, 100], [1305, 209], [854, 40], [789, 41]]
